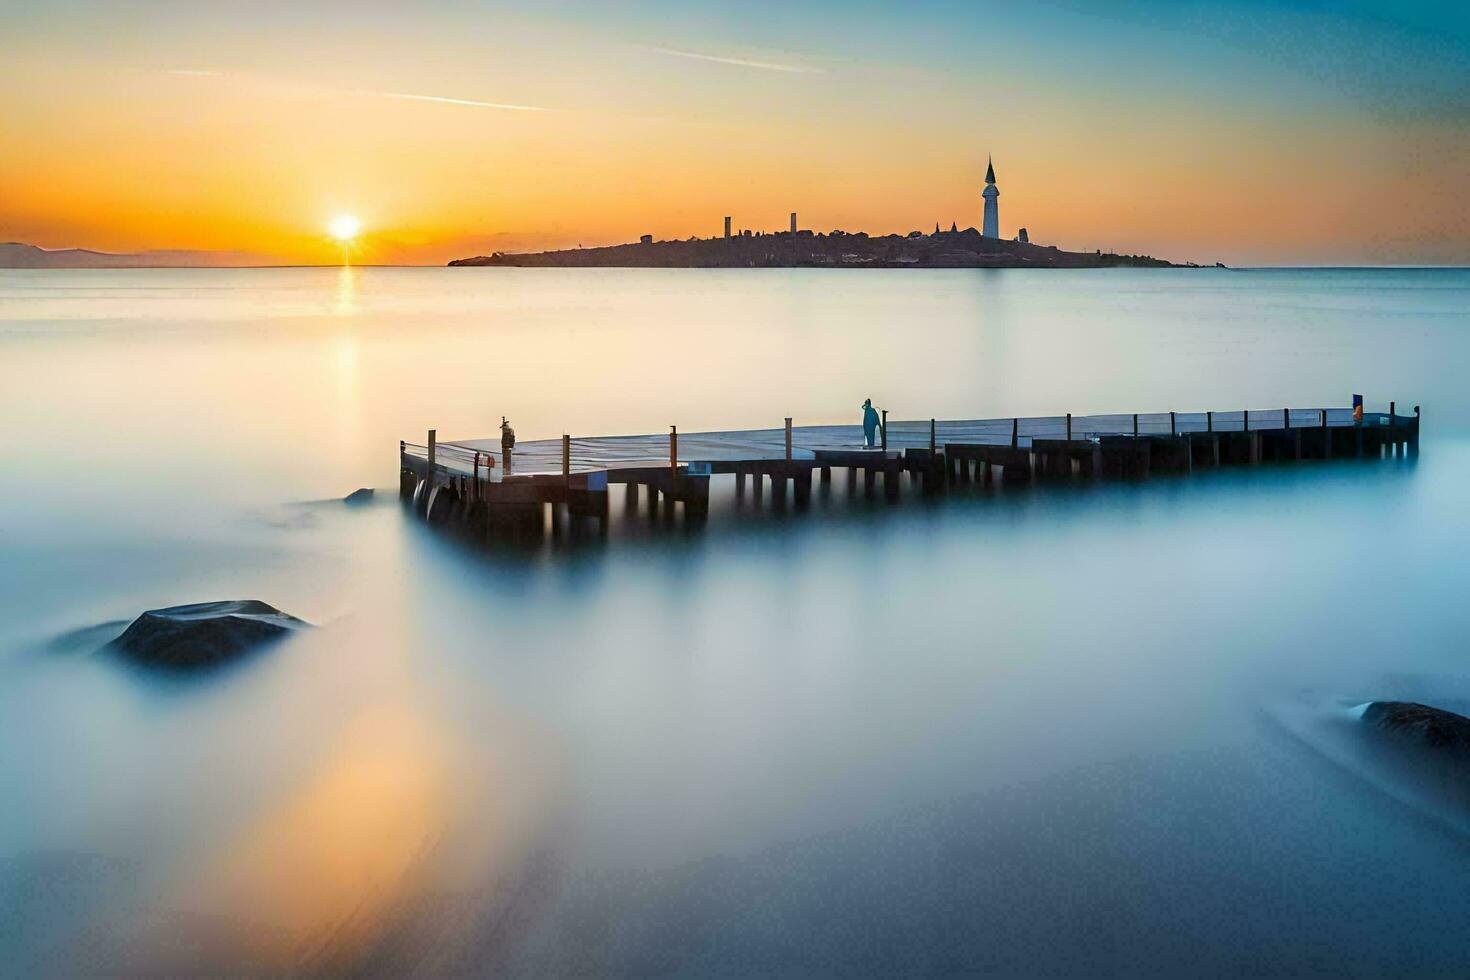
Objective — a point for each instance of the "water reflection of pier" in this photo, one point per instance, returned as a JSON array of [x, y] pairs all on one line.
[[477, 487]]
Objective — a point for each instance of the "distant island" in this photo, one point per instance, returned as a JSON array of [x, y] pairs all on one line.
[[954, 249], [18, 255]]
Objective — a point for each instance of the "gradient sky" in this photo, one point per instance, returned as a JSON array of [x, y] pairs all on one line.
[[1250, 133]]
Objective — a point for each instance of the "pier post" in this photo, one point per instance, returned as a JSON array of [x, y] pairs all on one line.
[[826, 475], [931, 437], [801, 486], [1069, 426], [788, 438], [1135, 425], [885, 430], [1413, 444], [566, 458], [630, 497], [433, 446], [673, 451], [1173, 425], [739, 484], [477, 469], [1015, 432], [1326, 434]]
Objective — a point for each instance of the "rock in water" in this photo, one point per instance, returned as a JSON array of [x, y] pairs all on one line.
[[362, 496], [1433, 727], [204, 633]]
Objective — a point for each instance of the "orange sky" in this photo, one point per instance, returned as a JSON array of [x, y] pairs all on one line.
[[248, 132]]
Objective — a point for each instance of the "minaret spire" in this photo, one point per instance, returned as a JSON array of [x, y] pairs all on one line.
[[990, 223]]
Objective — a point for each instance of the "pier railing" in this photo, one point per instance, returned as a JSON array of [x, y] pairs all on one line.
[[584, 454]]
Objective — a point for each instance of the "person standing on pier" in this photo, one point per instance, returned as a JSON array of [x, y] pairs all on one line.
[[870, 423]]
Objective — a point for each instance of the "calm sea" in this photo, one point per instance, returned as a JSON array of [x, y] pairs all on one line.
[[1020, 732]]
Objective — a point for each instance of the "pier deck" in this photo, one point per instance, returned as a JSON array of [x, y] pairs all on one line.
[[472, 484]]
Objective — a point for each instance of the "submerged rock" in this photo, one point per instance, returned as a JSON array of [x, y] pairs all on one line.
[[1433, 727], [361, 496], [204, 633]]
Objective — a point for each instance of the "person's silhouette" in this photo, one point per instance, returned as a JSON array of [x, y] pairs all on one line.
[[870, 423]]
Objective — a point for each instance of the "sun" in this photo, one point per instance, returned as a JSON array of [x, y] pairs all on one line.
[[344, 227]]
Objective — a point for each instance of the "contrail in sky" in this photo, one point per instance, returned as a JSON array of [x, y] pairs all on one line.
[[406, 96], [742, 62], [448, 101]]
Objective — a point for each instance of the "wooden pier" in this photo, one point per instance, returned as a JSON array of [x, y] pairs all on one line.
[[556, 486]]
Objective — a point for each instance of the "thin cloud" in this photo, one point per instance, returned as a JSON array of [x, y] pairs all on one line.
[[741, 62], [373, 93], [446, 100]]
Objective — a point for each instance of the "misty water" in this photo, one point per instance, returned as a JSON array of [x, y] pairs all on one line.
[[1025, 731]]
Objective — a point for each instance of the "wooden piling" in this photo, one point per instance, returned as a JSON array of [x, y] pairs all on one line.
[[1015, 433], [1209, 421], [885, 430], [1135, 425], [673, 451], [433, 446], [1173, 425], [1069, 426], [566, 458], [931, 436], [788, 438]]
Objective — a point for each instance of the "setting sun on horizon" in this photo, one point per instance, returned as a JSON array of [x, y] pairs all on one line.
[[344, 228]]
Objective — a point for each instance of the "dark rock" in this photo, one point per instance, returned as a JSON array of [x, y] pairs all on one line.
[[362, 496], [1433, 727], [204, 633]]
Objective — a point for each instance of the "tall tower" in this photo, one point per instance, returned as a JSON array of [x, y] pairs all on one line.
[[990, 227]]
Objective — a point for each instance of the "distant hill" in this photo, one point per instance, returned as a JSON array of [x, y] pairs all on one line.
[[942, 250], [17, 255]]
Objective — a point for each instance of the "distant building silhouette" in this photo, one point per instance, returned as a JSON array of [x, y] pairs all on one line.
[[727, 227], [990, 226], [793, 222], [646, 239], [1022, 237]]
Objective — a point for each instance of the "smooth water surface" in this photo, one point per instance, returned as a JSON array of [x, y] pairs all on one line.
[[1023, 731]]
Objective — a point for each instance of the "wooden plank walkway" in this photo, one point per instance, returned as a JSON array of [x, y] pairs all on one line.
[[473, 483]]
